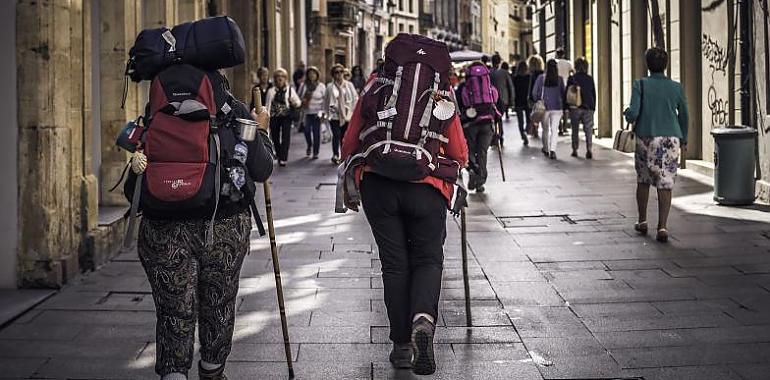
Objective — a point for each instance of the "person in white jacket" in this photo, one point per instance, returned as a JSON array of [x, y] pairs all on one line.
[[341, 98], [313, 93], [284, 104]]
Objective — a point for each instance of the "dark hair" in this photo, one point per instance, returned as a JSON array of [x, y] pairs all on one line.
[[263, 70], [522, 68], [551, 74], [484, 59], [581, 65], [496, 60], [357, 71], [505, 66], [560, 53], [657, 59]]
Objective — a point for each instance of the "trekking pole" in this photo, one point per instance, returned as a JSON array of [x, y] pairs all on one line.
[[464, 240], [500, 149], [277, 271], [276, 265]]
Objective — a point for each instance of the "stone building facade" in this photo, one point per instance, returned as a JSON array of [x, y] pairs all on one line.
[[718, 51], [59, 217], [440, 20], [519, 30], [494, 27], [470, 24]]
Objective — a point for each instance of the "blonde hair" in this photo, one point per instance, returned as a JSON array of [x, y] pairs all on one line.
[[280, 72], [535, 63]]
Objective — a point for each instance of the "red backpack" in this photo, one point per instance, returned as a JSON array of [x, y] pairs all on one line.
[[189, 143], [403, 129]]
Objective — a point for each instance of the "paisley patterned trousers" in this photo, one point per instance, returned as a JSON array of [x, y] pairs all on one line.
[[191, 283]]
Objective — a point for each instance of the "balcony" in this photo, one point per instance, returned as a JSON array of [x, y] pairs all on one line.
[[342, 12]]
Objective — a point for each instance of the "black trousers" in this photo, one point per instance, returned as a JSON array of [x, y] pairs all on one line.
[[280, 133], [338, 133], [478, 136], [522, 118], [408, 221]]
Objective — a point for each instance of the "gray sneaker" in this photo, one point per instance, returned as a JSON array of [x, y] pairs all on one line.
[[402, 355], [422, 336]]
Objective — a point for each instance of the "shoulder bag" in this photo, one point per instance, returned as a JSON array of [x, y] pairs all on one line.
[[538, 109], [625, 139]]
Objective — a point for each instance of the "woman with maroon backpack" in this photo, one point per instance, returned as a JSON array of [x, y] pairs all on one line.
[[477, 100], [403, 151]]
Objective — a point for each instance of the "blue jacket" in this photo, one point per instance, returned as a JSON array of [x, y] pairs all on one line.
[[587, 89], [664, 109]]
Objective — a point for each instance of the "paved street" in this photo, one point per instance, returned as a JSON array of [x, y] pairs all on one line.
[[562, 288]]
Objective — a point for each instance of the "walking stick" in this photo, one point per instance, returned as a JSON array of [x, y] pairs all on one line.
[[277, 271], [464, 239], [500, 149], [276, 265]]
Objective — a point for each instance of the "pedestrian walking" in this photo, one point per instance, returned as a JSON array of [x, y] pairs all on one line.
[[521, 85], [501, 79], [358, 79], [658, 110], [341, 97], [549, 88], [536, 67], [283, 103], [261, 87], [477, 102], [405, 194], [566, 69], [312, 92], [299, 75], [583, 113], [192, 251]]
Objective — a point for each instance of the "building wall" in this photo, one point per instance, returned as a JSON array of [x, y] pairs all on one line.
[[8, 148]]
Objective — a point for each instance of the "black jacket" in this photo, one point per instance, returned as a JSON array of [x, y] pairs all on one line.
[[521, 87]]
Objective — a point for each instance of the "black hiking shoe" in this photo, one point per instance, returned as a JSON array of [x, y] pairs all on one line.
[[553, 155], [216, 374], [480, 189], [589, 155], [402, 355], [422, 336]]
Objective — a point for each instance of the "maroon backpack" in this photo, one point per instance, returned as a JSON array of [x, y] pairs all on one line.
[[402, 134]]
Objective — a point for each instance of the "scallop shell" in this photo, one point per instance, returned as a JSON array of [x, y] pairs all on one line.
[[138, 162], [444, 110]]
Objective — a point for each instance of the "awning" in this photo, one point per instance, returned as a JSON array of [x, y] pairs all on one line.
[[465, 55]]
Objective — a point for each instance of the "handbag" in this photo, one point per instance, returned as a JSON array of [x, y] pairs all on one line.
[[538, 109], [625, 139]]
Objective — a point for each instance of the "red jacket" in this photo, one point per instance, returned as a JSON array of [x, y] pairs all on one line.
[[456, 149]]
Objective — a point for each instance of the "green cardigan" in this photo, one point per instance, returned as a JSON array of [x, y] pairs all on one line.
[[664, 110]]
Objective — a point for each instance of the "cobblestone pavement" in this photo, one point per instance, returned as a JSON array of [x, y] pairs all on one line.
[[562, 288]]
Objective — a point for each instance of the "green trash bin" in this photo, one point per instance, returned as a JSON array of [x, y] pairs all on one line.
[[734, 165]]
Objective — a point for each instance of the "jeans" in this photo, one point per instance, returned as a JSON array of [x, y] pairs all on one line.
[[408, 222], [280, 133], [192, 283], [338, 133], [479, 137], [313, 133], [551, 129], [586, 117]]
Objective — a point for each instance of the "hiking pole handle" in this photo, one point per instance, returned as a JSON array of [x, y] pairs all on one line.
[[277, 272]]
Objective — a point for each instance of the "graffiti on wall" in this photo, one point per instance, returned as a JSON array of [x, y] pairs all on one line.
[[717, 57]]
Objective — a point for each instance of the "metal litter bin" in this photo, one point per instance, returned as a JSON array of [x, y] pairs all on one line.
[[734, 165]]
